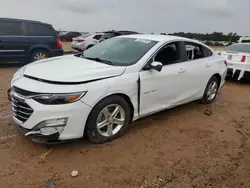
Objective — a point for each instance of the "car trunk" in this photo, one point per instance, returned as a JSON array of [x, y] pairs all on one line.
[[236, 56]]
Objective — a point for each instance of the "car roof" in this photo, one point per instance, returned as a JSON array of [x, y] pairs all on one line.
[[159, 38], [22, 20]]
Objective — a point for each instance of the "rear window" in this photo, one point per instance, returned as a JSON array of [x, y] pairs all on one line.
[[34, 29], [10, 28], [239, 48]]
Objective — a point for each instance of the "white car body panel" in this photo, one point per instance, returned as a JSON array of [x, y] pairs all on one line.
[[148, 91]]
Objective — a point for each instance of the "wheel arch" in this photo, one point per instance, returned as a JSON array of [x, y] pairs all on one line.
[[36, 48], [124, 96], [218, 76]]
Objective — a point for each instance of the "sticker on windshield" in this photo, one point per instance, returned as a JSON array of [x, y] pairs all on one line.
[[143, 40]]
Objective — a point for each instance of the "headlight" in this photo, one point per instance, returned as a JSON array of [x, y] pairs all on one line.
[[52, 99]]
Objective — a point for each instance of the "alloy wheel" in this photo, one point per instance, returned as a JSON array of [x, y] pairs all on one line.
[[110, 120], [40, 56], [212, 90]]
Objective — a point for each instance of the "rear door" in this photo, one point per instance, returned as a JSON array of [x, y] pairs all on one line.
[[12, 41], [199, 67]]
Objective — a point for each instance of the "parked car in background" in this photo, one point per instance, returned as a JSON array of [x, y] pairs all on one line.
[[85, 41], [98, 92], [68, 36], [113, 33], [27, 41], [238, 58], [245, 39]]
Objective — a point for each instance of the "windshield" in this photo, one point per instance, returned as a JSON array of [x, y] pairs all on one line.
[[120, 51], [239, 48]]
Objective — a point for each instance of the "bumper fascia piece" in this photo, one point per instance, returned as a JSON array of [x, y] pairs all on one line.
[[40, 138]]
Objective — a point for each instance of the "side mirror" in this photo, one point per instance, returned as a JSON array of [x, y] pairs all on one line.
[[156, 65]]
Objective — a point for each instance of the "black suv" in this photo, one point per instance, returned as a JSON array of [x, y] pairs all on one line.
[[27, 41]]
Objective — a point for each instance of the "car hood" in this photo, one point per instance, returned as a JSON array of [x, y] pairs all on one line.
[[70, 69]]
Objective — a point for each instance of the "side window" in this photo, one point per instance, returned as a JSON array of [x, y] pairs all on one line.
[[169, 54], [97, 37], [10, 28], [34, 29], [207, 52], [194, 51]]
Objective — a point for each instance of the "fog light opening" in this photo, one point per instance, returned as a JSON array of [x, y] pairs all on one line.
[[59, 122]]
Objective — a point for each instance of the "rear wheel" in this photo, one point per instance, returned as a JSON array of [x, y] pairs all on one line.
[[39, 55], [108, 120], [211, 90]]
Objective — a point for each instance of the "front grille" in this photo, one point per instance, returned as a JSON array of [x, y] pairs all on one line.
[[21, 110]]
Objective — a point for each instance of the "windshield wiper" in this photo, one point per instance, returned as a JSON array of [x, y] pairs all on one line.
[[99, 60]]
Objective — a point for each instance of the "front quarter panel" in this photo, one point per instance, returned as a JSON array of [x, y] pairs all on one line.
[[125, 84]]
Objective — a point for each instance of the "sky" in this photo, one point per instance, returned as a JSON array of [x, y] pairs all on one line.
[[203, 16]]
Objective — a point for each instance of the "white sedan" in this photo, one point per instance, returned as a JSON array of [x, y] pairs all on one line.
[[97, 93], [238, 58], [86, 41]]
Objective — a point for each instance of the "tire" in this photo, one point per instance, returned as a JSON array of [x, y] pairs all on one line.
[[209, 98], [102, 135], [40, 52]]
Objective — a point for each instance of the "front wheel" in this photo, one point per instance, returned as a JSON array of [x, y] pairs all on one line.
[[211, 91], [108, 120]]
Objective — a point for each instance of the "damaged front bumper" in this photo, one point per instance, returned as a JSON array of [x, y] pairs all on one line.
[[38, 136], [45, 132]]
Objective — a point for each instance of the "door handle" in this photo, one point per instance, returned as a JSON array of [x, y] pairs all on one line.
[[208, 65], [181, 71]]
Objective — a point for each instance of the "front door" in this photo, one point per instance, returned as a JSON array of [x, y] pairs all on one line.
[[164, 89]]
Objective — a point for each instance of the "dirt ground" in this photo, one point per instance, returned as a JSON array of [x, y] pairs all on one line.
[[181, 147]]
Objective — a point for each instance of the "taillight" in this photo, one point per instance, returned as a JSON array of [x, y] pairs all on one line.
[[243, 59], [59, 43], [225, 62], [79, 40]]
